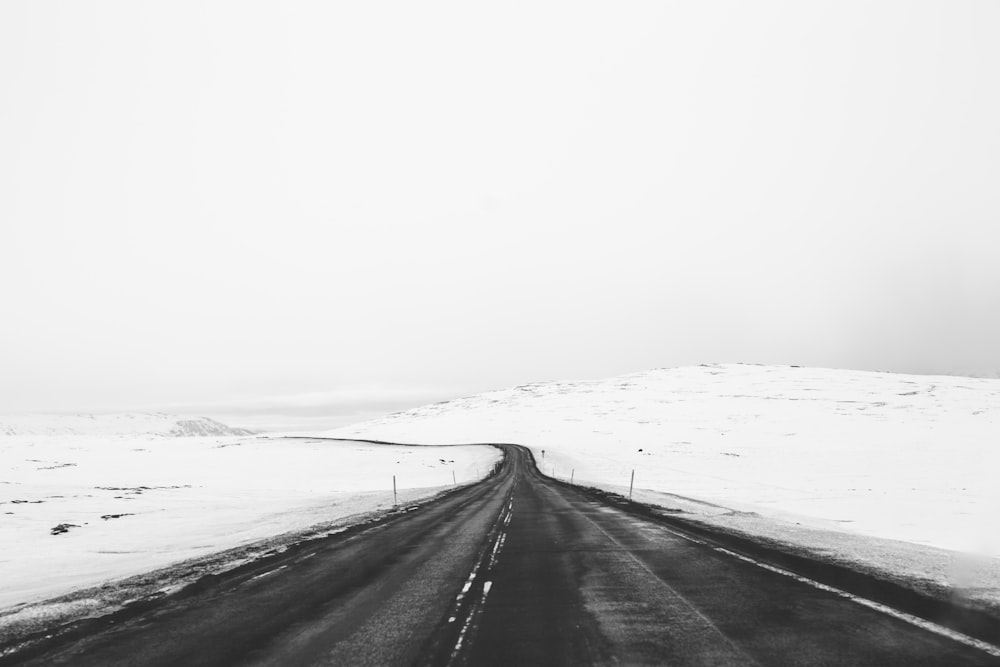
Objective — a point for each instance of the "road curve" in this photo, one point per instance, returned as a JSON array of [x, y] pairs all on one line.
[[516, 570]]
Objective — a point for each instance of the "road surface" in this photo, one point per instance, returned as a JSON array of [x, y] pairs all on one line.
[[517, 570]]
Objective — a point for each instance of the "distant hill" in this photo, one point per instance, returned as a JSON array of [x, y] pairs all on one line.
[[122, 424], [655, 406], [893, 456]]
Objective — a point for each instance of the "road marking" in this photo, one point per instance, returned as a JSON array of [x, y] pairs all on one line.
[[467, 586], [497, 546], [476, 608], [264, 574], [921, 623], [501, 522], [739, 651]]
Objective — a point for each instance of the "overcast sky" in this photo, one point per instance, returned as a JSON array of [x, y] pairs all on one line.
[[219, 202]]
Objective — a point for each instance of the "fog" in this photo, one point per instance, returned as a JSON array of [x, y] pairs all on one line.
[[244, 203]]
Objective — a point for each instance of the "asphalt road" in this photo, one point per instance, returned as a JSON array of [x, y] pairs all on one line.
[[517, 570]]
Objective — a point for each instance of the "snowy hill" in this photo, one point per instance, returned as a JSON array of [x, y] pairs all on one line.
[[880, 453], [853, 456], [125, 424], [718, 398]]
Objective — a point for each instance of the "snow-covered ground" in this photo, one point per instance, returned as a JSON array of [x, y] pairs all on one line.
[[887, 458], [79, 510]]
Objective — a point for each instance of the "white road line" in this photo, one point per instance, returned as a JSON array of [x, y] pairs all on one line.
[[921, 623], [739, 651], [467, 585], [264, 574], [878, 606], [503, 519], [496, 549], [472, 615], [461, 635]]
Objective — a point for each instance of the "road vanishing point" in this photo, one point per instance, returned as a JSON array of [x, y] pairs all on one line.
[[518, 569]]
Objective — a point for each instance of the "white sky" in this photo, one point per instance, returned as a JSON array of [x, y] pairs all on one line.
[[215, 201]]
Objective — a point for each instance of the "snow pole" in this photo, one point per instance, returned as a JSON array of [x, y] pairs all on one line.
[[395, 501], [571, 474], [453, 480], [630, 483]]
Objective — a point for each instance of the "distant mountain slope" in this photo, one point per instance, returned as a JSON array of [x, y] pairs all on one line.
[[124, 424]]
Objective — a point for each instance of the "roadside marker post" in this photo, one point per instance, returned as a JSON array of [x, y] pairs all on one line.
[[630, 483], [395, 500], [453, 480], [571, 474]]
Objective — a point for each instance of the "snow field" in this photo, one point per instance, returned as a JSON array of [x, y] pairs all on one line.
[[905, 465], [131, 504]]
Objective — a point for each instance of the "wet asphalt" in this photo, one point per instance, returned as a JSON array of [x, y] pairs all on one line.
[[516, 570]]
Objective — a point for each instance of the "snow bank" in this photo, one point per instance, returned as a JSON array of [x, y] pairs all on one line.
[[80, 510], [881, 456]]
